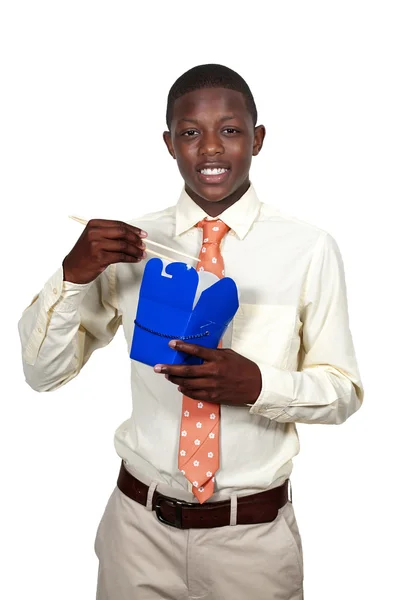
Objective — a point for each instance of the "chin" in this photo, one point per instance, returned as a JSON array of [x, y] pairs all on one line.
[[213, 193]]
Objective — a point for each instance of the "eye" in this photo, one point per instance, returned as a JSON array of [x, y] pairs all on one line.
[[231, 130], [189, 133]]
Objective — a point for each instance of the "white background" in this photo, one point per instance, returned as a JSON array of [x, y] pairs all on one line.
[[83, 100]]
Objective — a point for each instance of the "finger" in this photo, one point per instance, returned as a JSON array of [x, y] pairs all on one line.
[[119, 225], [97, 237], [193, 384], [205, 395], [195, 350], [117, 233], [109, 258], [184, 370], [114, 233], [122, 246]]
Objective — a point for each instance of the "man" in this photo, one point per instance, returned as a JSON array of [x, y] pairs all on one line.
[[201, 509]]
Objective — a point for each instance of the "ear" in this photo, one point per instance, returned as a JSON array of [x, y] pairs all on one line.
[[168, 142], [259, 135]]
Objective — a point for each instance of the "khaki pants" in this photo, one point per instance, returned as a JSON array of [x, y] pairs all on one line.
[[143, 559]]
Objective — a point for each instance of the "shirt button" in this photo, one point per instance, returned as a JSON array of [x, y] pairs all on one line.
[[55, 291], [39, 329]]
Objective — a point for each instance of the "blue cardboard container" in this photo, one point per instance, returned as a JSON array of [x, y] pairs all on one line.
[[166, 311]]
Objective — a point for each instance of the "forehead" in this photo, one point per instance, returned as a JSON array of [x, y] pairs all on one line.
[[210, 103]]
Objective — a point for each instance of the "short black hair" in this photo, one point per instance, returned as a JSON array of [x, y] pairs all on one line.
[[209, 76]]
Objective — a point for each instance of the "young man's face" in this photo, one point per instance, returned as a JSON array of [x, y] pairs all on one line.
[[212, 128]]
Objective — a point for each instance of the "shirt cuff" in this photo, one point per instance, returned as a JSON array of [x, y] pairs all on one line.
[[63, 296], [276, 393], [72, 296], [57, 295]]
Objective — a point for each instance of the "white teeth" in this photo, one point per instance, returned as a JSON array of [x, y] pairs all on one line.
[[213, 171]]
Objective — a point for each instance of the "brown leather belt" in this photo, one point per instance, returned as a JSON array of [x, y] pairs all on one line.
[[256, 508]]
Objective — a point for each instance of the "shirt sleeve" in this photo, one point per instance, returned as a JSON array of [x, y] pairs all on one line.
[[63, 326], [327, 387]]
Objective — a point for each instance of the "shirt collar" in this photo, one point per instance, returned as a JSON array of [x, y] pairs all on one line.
[[239, 217]]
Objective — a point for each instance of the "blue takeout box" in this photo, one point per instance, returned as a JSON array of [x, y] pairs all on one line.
[[167, 311]]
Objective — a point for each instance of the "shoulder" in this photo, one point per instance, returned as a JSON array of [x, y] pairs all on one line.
[[294, 228], [269, 213], [160, 215]]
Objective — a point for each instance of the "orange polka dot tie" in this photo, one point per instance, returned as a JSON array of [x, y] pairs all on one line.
[[198, 457]]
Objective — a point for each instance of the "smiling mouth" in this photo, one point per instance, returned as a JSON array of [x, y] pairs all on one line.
[[217, 175]]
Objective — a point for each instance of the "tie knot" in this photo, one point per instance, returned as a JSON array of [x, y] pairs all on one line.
[[213, 231]]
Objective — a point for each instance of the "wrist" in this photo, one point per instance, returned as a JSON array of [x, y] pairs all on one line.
[[257, 386], [69, 275]]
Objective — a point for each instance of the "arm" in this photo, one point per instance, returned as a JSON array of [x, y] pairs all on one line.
[[63, 326], [327, 387], [76, 311]]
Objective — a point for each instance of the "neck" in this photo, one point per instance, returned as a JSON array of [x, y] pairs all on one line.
[[215, 208]]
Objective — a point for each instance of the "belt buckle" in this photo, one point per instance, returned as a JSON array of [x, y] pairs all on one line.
[[177, 504]]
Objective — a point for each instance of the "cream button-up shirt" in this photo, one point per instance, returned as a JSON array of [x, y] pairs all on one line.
[[292, 321]]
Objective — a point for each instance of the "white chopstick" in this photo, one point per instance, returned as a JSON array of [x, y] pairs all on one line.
[[146, 240]]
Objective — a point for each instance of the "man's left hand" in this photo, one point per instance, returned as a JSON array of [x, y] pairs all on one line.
[[225, 377]]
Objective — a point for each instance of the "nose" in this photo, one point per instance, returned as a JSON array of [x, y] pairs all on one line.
[[211, 144]]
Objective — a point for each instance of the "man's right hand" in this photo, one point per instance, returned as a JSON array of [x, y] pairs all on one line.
[[102, 243]]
